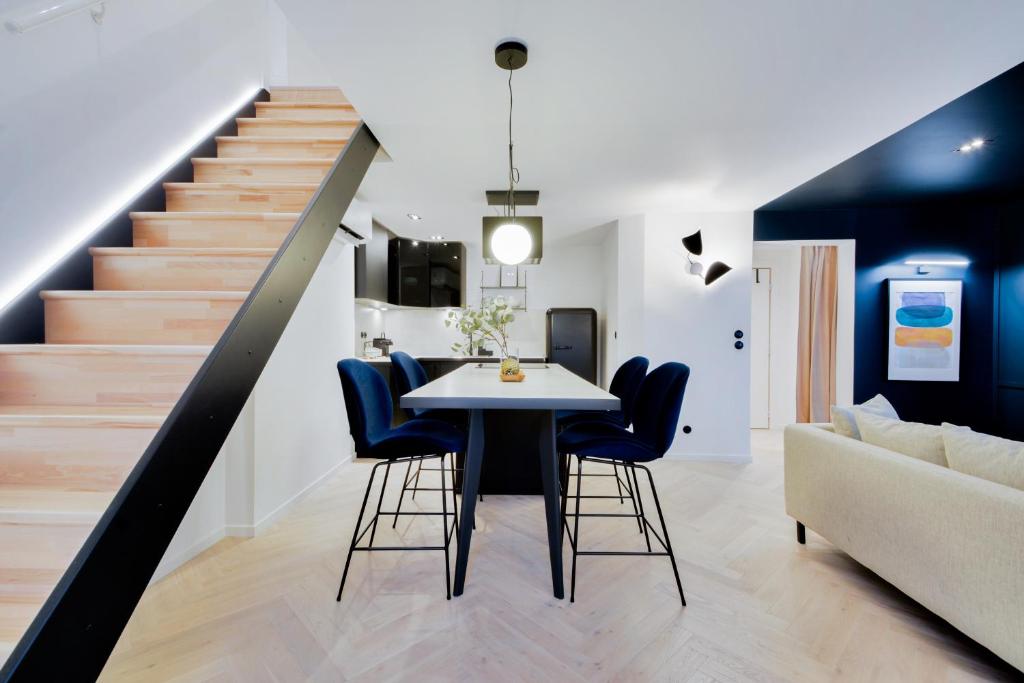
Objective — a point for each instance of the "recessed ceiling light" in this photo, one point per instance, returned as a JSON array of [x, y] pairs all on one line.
[[414, 217], [437, 237], [415, 243]]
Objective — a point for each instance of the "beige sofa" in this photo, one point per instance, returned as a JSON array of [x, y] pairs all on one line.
[[952, 542]]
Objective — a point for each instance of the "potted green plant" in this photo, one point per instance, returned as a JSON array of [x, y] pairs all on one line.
[[490, 323]]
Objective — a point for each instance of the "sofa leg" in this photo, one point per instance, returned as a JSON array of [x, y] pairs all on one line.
[[801, 536]]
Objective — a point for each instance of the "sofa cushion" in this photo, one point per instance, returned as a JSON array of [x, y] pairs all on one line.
[[844, 422], [985, 456], [917, 440]]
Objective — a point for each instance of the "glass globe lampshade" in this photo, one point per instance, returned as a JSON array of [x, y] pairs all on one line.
[[511, 243]]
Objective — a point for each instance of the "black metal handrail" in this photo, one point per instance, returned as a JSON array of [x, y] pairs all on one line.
[[77, 628]]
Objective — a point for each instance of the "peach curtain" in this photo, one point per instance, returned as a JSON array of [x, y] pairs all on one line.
[[816, 345]]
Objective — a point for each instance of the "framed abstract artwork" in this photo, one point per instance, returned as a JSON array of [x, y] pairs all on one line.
[[924, 330]]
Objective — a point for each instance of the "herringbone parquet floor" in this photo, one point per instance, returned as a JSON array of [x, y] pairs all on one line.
[[761, 607]]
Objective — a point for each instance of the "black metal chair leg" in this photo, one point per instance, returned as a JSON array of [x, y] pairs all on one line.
[[664, 530], [383, 488], [640, 502], [416, 481], [355, 533], [632, 496], [565, 491], [576, 530], [405, 482], [618, 482], [444, 524], [455, 502]]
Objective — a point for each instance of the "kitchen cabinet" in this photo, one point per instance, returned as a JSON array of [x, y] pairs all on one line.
[[427, 274]]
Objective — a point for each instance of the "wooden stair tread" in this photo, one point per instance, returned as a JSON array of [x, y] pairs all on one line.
[[263, 161], [243, 187], [134, 294], [283, 139], [81, 416], [219, 215], [304, 105], [22, 503], [297, 122], [198, 350], [138, 415], [197, 252]]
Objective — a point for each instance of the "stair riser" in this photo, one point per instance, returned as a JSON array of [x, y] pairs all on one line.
[[290, 94], [258, 231], [260, 173], [95, 379], [340, 112], [237, 200], [293, 128], [137, 321], [297, 149], [177, 273], [87, 458]]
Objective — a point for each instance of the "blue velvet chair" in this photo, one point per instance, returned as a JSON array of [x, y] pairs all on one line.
[[625, 384], [368, 404], [410, 375], [658, 405]]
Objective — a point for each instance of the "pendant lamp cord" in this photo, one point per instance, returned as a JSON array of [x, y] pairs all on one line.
[[513, 172]]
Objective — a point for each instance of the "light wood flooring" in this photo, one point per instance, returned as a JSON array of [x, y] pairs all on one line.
[[761, 607]]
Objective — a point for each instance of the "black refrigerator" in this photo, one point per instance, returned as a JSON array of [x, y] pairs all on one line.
[[572, 340]]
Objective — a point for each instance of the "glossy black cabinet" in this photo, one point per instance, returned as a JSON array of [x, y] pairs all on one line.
[[428, 274]]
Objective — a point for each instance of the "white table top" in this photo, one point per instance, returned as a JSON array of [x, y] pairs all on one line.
[[550, 387]]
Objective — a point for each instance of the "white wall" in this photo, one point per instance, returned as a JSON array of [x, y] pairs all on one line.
[[301, 430], [687, 321], [783, 258], [91, 114]]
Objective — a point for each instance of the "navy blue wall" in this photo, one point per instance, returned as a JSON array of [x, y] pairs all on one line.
[[1010, 324], [885, 237]]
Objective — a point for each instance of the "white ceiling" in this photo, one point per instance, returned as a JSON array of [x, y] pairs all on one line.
[[630, 107]]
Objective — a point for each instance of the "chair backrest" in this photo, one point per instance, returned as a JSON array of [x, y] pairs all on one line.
[[367, 401], [409, 375], [626, 383], [658, 404]]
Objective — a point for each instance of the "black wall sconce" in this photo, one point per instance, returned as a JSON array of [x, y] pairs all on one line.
[[694, 245]]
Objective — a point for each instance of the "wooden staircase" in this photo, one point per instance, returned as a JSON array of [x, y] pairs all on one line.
[[78, 411]]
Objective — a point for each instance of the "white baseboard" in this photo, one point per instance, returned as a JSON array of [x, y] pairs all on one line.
[[250, 530], [169, 564], [730, 458]]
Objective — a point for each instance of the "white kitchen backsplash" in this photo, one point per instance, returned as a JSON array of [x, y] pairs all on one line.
[[422, 333]]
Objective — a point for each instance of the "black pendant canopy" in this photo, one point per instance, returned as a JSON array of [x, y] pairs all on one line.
[[510, 55]]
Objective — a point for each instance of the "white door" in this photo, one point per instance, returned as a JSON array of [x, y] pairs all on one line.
[[760, 348]]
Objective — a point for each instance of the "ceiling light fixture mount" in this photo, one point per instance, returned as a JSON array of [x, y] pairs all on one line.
[[510, 55], [694, 245], [414, 216]]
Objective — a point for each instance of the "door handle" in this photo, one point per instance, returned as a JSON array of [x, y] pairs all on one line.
[[563, 348]]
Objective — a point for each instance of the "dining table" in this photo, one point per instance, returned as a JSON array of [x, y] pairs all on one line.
[[477, 387]]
